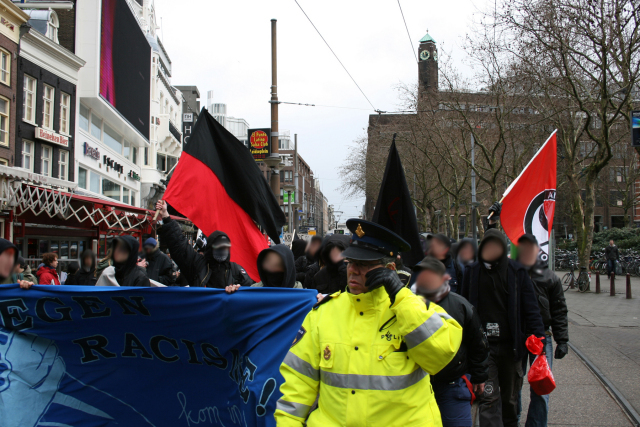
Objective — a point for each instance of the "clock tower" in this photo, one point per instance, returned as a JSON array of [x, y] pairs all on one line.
[[427, 66]]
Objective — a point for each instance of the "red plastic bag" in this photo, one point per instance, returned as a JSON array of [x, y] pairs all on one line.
[[540, 376]]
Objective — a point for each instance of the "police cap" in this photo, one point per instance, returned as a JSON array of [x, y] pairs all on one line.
[[371, 242]]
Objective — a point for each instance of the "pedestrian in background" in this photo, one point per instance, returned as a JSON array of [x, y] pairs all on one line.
[[503, 295], [105, 262], [612, 254], [47, 273], [310, 258], [21, 272], [125, 270], [72, 271], [553, 309], [457, 384]]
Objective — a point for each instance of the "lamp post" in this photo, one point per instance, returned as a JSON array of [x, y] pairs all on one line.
[[438, 212]]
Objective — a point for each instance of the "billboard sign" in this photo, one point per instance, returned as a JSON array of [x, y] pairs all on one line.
[[260, 143], [125, 64], [635, 128]]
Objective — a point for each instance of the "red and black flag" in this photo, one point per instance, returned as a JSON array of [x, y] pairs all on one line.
[[218, 185], [394, 208]]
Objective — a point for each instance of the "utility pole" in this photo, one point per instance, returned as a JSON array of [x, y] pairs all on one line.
[[273, 161], [474, 207]]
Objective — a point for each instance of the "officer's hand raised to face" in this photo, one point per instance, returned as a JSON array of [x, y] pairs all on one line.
[[387, 278]]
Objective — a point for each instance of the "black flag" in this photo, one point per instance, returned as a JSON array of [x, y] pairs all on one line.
[[394, 209]]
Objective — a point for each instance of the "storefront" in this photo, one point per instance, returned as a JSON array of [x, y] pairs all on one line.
[[42, 214]]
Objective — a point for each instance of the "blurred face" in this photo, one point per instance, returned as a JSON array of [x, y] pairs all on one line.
[[313, 248], [87, 261], [466, 253], [528, 253], [7, 258], [357, 274], [438, 249], [17, 269], [611, 242], [335, 255], [148, 250], [429, 281], [272, 263], [121, 253], [492, 250]]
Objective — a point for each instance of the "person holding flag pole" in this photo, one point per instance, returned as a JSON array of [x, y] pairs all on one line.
[[501, 289], [528, 224]]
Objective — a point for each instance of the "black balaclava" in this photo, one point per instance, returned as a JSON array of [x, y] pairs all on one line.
[[285, 279]]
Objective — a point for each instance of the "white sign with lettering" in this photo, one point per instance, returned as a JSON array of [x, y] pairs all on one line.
[[51, 136]]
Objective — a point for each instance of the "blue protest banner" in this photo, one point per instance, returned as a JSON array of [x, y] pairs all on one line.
[[105, 356]]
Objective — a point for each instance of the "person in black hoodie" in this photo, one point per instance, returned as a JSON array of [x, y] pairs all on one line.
[[276, 268], [211, 270], [72, 271], [502, 293], [125, 263], [159, 266], [456, 385], [298, 247], [309, 261], [440, 249], [86, 275], [332, 276]]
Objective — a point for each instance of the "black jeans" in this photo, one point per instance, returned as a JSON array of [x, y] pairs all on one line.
[[498, 406]]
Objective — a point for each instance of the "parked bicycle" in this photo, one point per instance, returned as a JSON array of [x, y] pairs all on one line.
[[582, 282]]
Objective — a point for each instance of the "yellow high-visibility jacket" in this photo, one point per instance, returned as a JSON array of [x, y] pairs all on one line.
[[368, 362]]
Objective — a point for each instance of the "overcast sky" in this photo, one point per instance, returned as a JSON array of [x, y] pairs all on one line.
[[225, 46]]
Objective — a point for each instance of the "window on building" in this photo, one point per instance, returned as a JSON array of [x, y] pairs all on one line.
[[94, 182], [82, 178], [84, 118], [5, 67], [617, 221], [146, 156], [125, 195], [27, 155], [132, 202], [4, 120], [112, 139], [110, 189], [618, 173], [45, 160], [161, 162], [65, 112], [171, 162], [29, 99], [63, 165], [52, 27], [134, 155], [47, 107], [96, 127]]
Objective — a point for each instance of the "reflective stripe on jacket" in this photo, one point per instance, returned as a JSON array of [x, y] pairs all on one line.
[[368, 362]]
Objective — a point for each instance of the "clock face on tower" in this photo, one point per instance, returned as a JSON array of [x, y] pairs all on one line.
[[424, 55], [435, 56]]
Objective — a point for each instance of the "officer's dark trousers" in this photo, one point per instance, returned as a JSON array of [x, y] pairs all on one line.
[[498, 406]]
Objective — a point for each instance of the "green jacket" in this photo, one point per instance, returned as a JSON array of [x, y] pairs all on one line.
[[25, 275], [102, 265]]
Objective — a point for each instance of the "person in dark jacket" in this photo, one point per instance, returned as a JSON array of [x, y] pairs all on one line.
[[72, 271], [457, 384], [277, 268], [502, 293], [332, 277], [298, 247], [611, 254], [304, 263], [125, 263], [440, 249], [8, 261], [21, 272], [159, 266], [553, 309], [86, 274], [211, 270]]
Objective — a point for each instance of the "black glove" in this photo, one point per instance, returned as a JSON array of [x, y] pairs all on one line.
[[387, 278], [496, 208], [562, 350]]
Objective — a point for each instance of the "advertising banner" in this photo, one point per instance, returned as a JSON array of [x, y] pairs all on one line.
[[635, 128], [260, 143], [104, 356]]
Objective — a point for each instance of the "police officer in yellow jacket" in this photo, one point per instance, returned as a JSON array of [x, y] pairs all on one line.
[[367, 353]]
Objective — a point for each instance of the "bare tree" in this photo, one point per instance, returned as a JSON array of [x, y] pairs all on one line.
[[353, 171], [581, 59]]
